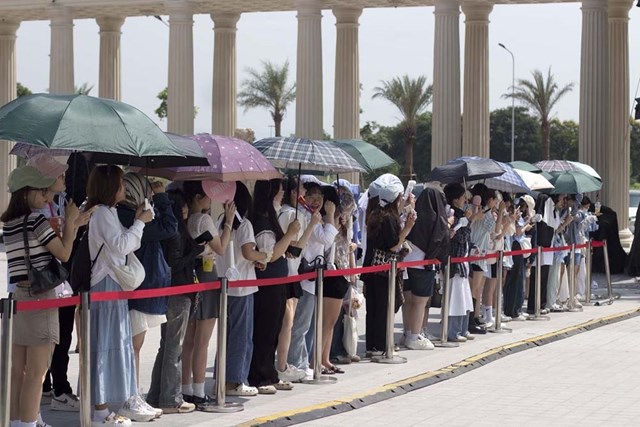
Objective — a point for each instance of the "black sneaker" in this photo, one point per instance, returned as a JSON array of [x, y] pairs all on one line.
[[204, 404], [187, 398], [478, 330]]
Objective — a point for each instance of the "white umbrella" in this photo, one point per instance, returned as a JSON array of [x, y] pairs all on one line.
[[586, 169], [534, 181]]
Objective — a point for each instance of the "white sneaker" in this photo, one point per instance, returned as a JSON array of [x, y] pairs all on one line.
[[157, 411], [576, 303], [580, 297], [136, 410], [420, 343], [243, 390], [519, 318], [40, 422], [505, 318], [291, 374], [112, 420], [67, 402], [425, 334]]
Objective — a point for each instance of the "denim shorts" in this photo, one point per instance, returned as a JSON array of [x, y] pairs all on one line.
[[420, 282], [577, 257]]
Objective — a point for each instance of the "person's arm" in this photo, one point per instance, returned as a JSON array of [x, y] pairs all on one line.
[[402, 237], [315, 219], [175, 256], [119, 241], [61, 248], [165, 223], [220, 242]]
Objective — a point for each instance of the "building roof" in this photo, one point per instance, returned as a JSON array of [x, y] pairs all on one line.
[[32, 10]]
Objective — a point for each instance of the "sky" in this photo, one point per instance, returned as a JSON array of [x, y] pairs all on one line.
[[393, 42]]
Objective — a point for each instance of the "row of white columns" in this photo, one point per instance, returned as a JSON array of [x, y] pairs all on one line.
[[604, 88]]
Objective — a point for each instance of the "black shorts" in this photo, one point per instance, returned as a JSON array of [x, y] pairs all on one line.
[[494, 269], [420, 282], [293, 290], [335, 287]]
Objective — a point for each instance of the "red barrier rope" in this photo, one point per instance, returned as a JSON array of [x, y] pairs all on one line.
[[199, 287]]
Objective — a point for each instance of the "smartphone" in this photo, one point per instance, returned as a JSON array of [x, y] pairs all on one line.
[[83, 205], [204, 238]]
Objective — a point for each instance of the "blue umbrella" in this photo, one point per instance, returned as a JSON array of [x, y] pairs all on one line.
[[466, 169]]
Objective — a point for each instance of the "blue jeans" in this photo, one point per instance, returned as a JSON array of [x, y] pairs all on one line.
[[239, 338], [337, 347], [298, 351], [457, 327], [166, 378]]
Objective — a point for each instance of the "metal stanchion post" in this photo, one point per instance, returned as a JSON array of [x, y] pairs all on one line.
[[446, 301], [573, 307], [7, 310], [497, 328], [538, 287], [221, 358], [389, 356], [318, 377], [85, 359], [607, 272], [587, 292]]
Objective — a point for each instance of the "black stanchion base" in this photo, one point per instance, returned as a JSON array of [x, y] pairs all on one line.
[[536, 318]]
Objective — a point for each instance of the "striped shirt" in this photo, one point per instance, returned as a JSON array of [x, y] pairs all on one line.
[[39, 234]]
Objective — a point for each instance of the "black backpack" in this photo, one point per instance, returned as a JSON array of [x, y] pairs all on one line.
[[80, 278]]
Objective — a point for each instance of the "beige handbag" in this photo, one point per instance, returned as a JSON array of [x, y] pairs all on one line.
[[130, 275]]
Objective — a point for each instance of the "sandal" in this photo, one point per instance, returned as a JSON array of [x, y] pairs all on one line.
[[336, 370], [267, 389], [327, 371], [283, 385]]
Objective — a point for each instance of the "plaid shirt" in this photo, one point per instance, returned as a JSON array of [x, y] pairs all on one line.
[[460, 245]]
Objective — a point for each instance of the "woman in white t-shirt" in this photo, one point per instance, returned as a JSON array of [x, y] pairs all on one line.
[[237, 263], [200, 329], [293, 189]]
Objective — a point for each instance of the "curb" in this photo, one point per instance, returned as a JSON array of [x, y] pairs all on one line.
[[398, 388]]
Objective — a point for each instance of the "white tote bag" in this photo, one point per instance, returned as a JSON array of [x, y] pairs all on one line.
[[350, 335], [130, 275]]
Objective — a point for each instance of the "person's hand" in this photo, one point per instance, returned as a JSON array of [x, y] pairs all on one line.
[[84, 217], [502, 206], [316, 218], [71, 213], [260, 266], [410, 221], [144, 216], [352, 247], [293, 228], [411, 201], [229, 212], [329, 208], [157, 187]]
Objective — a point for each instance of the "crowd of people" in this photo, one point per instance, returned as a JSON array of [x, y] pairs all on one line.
[[289, 226]]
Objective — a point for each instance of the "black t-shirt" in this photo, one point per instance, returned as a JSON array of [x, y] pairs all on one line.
[[382, 236]]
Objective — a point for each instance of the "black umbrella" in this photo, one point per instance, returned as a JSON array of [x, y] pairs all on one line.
[[466, 169]]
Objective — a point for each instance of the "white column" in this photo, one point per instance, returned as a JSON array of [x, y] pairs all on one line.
[[309, 69], [109, 78], [594, 83], [616, 180], [446, 137], [475, 115], [223, 121], [61, 78], [180, 106], [8, 82], [346, 111]]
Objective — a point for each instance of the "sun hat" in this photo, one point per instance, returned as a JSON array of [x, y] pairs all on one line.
[[389, 189], [47, 165], [530, 203], [381, 181], [28, 176]]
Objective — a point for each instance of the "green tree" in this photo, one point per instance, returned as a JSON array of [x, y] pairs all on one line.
[[411, 97], [22, 90], [541, 95], [564, 140], [268, 88], [527, 135], [84, 89], [161, 111]]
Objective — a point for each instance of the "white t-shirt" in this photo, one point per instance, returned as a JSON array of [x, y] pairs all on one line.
[[285, 217], [246, 269], [416, 254], [199, 223]]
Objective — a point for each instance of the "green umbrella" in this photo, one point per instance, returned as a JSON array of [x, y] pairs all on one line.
[[573, 182], [83, 123], [525, 166], [367, 155]]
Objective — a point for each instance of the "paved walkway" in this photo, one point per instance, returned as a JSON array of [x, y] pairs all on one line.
[[590, 379]]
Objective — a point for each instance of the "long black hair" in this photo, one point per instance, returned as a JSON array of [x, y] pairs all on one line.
[[263, 205], [242, 199], [290, 184]]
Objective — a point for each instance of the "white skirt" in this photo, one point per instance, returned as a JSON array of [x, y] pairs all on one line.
[[142, 322], [461, 300]]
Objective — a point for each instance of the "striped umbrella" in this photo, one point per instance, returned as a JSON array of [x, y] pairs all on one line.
[[556, 165], [509, 181], [308, 155]]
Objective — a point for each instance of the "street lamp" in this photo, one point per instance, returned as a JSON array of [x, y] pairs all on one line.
[[513, 99]]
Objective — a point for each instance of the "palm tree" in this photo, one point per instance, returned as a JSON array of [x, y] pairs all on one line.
[[268, 89], [540, 95], [411, 97], [84, 89]]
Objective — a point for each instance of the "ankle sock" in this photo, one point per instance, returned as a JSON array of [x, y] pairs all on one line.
[[100, 414], [488, 312], [15, 423], [198, 389], [28, 424], [187, 389]]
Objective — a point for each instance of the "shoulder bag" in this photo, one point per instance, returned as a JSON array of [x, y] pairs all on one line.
[[52, 275], [130, 275]]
